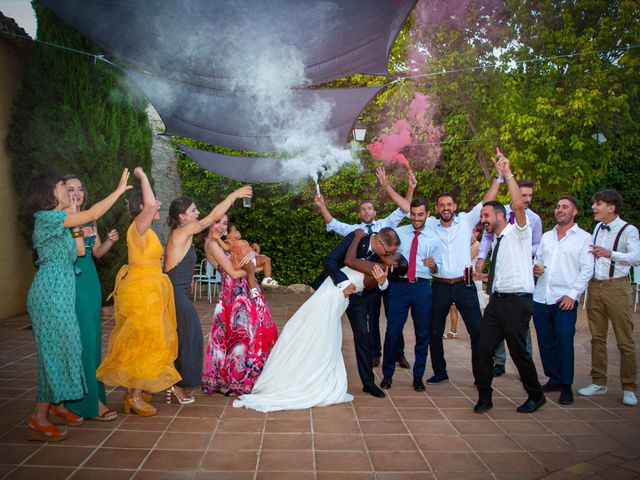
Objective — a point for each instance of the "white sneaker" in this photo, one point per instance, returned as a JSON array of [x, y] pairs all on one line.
[[593, 389], [629, 398]]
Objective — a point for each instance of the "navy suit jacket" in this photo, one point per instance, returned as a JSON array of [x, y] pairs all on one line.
[[335, 260]]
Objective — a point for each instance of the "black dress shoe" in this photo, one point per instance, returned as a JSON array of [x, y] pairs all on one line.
[[566, 395], [483, 405], [437, 378], [552, 387], [531, 405], [498, 370], [386, 383], [402, 362], [418, 385], [375, 362], [373, 390]]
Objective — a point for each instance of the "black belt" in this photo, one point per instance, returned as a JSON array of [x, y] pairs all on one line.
[[511, 294], [418, 279]]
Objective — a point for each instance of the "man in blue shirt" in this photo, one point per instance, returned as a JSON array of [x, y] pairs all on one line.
[[420, 247]]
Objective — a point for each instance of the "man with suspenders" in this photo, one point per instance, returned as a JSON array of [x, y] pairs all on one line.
[[616, 248]]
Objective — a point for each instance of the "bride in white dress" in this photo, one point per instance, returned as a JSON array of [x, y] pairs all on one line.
[[305, 368]]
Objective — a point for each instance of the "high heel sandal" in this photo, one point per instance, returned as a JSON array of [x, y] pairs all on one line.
[[64, 417], [183, 401], [145, 410], [44, 433]]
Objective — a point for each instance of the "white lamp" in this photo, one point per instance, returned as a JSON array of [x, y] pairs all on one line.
[[359, 131]]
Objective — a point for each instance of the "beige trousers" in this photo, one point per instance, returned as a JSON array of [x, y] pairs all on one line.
[[612, 300]]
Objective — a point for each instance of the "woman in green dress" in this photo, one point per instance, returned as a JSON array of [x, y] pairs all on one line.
[[89, 308], [52, 301]]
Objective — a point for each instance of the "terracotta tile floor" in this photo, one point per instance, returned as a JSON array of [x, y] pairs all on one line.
[[407, 435]]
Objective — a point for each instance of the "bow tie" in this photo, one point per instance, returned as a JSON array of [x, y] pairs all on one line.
[[606, 227]]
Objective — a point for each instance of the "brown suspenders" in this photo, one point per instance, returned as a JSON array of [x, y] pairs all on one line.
[[615, 245]]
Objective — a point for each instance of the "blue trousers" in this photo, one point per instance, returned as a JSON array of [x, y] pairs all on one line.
[[375, 299], [466, 300], [556, 329], [402, 297]]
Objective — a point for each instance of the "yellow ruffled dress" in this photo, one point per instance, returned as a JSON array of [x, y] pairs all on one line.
[[144, 342]]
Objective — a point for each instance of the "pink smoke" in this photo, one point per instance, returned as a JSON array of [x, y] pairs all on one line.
[[410, 136]]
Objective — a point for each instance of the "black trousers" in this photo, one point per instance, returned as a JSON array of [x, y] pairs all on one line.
[[358, 319], [466, 300], [506, 318], [375, 299]]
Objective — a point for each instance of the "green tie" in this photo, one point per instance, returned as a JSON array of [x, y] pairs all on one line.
[[369, 229]]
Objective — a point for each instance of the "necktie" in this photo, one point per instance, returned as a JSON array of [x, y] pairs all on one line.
[[492, 268], [369, 229], [411, 272], [512, 217], [605, 227]]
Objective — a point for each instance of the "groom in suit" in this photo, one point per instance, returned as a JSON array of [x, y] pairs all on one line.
[[380, 244]]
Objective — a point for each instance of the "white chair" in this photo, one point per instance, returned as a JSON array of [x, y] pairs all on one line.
[[199, 277], [213, 279]]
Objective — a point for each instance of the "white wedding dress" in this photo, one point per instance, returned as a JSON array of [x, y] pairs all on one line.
[[305, 368]]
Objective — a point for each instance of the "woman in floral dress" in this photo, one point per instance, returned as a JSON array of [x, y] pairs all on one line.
[[242, 332]]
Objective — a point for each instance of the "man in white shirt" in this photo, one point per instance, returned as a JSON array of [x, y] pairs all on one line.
[[370, 225], [510, 283], [616, 248], [526, 190], [454, 235], [564, 266]]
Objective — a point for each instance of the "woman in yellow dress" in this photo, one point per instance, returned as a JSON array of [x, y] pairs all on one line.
[[144, 343]]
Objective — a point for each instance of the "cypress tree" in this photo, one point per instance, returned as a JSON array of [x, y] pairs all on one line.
[[74, 114]]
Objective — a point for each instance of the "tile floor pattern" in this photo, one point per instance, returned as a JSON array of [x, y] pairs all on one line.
[[407, 435]]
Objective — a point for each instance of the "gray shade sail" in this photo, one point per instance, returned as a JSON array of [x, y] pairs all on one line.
[[228, 118], [245, 169], [193, 38], [234, 73]]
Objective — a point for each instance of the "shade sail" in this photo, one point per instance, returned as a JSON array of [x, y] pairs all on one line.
[[245, 169], [194, 38], [229, 118]]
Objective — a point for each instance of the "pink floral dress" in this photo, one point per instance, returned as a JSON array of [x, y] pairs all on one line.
[[242, 336]]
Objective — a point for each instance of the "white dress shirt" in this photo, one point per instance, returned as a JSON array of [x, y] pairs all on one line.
[[568, 265], [514, 269], [626, 255], [344, 229], [536, 233], [428, 247], [455, 242]]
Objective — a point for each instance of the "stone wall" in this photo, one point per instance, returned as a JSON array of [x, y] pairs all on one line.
[[16, 259]]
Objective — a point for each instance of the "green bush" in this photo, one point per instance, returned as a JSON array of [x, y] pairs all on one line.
[[75, 115]]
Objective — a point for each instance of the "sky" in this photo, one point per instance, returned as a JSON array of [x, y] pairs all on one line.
[[22, 12]]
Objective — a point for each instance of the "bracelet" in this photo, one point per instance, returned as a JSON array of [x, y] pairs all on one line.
[[77, 232], [509, 178]]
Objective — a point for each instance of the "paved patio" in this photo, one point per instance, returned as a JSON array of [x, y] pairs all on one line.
[[428, 435]]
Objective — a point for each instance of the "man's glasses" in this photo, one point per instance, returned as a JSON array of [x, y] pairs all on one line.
[[386, 252]]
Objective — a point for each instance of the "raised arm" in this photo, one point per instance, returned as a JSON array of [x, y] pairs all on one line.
[[399, 200], [149, 203], [517, 203], [101, 207], [324, 211]]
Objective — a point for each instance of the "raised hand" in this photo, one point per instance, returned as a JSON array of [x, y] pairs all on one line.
[[382, 176], [122, 184], [501, 163], [243, 192], [413, 181], [318, 200], [113, 235], [138, 172]]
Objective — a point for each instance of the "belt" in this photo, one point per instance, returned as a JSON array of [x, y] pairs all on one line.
[[511, 294], [417, 280], [449, 280], [604, 280]]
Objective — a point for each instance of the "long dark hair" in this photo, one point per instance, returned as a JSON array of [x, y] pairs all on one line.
[[177, 207], [38, 193]]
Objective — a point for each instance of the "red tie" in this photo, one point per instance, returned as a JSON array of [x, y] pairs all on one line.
[[411, 273]]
